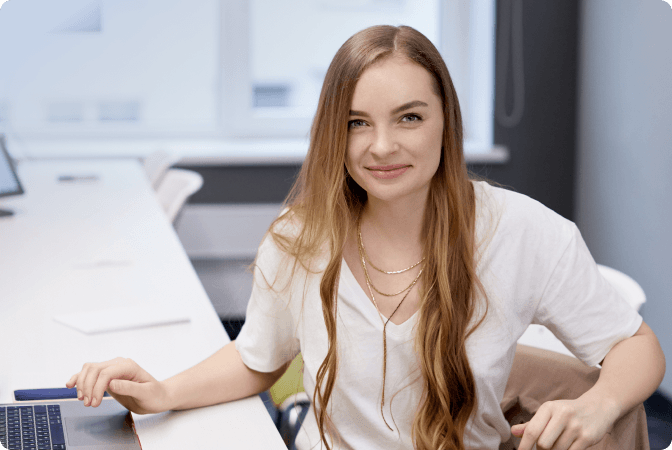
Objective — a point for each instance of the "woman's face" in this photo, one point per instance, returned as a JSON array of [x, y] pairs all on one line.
[[395, 131]]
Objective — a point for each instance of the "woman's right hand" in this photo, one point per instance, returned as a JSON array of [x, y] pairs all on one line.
[[125, 380]]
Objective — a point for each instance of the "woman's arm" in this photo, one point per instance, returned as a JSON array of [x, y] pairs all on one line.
[[632, 370], [223, 377]]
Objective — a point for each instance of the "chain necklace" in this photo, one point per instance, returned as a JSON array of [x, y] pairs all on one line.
[[363, 259], [391, 272]]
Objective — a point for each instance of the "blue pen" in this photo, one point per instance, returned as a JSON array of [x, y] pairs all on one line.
[[23, 395], [70, 178]]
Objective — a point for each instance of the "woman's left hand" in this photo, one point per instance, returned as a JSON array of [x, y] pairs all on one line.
[[567, 424]]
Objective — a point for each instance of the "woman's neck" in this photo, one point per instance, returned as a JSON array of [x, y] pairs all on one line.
[[399, 223]]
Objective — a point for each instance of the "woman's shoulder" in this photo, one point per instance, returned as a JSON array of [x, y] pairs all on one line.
[[509, 212], [284, 241], [289, 222], [282, 232]]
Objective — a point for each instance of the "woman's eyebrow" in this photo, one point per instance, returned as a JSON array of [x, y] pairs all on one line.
[[397, 110], [408, 105]]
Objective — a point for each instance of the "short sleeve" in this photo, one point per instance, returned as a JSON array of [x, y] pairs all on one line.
[[581, 307], [267, 339]]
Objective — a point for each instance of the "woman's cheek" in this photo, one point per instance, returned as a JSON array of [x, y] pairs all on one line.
[[354, 152]]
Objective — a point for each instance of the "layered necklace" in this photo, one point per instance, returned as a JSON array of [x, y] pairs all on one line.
[[369, 284]]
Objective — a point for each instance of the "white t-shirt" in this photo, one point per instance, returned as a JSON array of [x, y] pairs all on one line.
[[535, 268]]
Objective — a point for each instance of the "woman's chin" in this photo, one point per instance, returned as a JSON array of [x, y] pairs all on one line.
[[400, 194]]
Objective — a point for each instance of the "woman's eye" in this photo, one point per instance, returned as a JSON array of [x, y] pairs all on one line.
[[355, 124], [411, 118]]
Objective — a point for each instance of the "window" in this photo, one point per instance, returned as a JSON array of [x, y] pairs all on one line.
[[109, 68], [223, 70]]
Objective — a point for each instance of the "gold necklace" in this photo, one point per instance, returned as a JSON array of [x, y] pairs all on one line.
[[391, 272], [369, 285], [385, 322], [363, 255]]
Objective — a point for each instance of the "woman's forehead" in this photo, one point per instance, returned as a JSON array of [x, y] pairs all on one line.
[[393, 80]]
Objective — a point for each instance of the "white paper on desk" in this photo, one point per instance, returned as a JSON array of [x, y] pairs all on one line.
[[240, 424], [117, 319]]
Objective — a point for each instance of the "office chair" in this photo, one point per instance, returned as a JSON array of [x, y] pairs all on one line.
[[539, 375], [629, 289], [156, 165], [292, 413], [175, 188]]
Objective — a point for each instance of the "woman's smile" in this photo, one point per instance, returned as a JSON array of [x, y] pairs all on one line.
[[388, 172]]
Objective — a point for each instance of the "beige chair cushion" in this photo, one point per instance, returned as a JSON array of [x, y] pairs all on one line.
[[540, 375]]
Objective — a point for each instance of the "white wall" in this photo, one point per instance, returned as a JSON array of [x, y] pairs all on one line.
[[624, 192]]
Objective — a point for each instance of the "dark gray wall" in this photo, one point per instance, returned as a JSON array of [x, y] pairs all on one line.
[[244, 183], [542, 145]]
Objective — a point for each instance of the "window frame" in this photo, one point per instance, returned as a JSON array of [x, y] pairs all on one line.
[[474, 81], [239, 118]]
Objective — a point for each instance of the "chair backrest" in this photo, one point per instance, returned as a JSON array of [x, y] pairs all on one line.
[[175, 188], [156, 165], [629, 289]]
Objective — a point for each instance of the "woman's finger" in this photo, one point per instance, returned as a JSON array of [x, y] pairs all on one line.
[[555, 434], [122, 369], [534, 428], [72, 381], [80, 380], [100, 385], [138, 392], [88, 376], [125, 388], [89, 381]]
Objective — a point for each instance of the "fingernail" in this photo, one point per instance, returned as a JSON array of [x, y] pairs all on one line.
[[86, 401], [79, 394], [93, 401]]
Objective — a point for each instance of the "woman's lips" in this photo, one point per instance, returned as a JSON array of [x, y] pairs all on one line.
[[388, 172]]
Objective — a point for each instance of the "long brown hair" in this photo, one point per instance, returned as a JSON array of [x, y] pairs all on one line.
[[326, 202]]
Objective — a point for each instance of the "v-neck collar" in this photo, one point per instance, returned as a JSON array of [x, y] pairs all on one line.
[[349, 281]]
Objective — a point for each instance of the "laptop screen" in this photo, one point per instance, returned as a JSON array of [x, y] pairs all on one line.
[[9, 181]]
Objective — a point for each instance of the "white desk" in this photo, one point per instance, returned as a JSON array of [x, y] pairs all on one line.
[[87, 246]]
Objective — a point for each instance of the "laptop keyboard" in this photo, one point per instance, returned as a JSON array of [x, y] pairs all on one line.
[[37, 427]]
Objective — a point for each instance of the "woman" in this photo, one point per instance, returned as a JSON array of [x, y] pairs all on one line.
[[405, 285]]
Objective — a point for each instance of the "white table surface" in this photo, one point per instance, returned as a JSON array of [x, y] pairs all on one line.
[[89, 246]]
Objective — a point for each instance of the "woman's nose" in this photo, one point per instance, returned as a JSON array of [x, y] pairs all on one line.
[[384, 143]]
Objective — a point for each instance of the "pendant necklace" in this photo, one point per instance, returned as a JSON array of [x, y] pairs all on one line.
[[363, 257]]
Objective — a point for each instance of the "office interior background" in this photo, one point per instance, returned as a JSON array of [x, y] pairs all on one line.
[[568, 102]]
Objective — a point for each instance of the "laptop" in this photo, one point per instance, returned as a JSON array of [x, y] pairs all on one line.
[[67, 424], [9, 180]]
